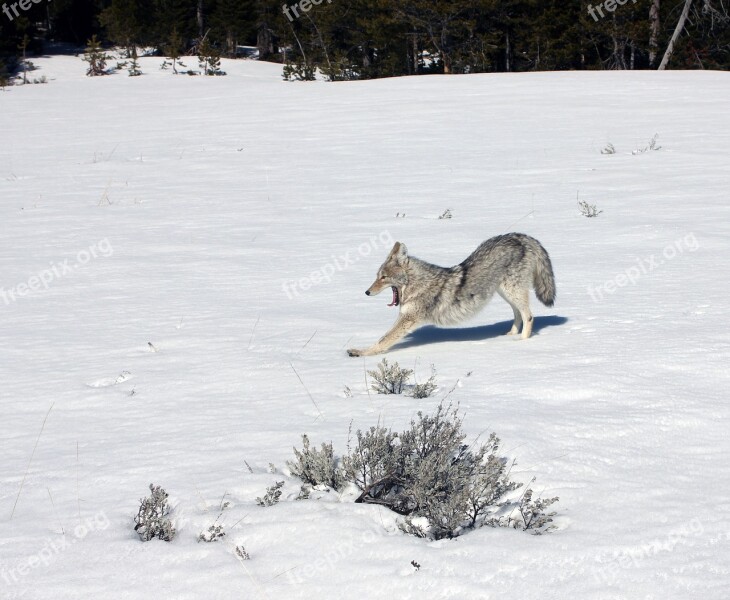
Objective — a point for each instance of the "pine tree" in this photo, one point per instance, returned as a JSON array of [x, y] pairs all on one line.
[[269, 21], [209, 58], [23, 46], [232, 21], [174, 48], [134, 70], [123, 23], [96, 57]]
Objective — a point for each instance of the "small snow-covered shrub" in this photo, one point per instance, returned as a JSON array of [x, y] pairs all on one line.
[[389, 379], [609, 149], [446, 214], [272, 495], [215, 532], [152, 518], [242, 554], [588, 210], [316, 467], [424, 390], [648, 148], [532, 514]]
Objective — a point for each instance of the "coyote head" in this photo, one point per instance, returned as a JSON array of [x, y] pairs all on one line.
[[392, 273]]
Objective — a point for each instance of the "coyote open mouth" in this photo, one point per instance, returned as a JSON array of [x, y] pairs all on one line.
[[396, 297]]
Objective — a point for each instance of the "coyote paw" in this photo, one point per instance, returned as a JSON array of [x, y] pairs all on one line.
[[355, 352]]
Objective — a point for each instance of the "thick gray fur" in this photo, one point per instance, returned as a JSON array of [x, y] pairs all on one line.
[[509, 265]]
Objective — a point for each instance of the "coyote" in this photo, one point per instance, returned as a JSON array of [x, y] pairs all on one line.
[[508, 264]]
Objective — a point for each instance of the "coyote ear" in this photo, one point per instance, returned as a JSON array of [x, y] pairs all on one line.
[[398, 251]]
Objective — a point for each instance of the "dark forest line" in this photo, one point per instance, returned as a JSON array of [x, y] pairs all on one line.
[[355, 39]]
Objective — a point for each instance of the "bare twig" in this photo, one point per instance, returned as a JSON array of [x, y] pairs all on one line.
[[306, 390], [53, 504], [307, 342], [32, 454], [78, 497], [253, 330]]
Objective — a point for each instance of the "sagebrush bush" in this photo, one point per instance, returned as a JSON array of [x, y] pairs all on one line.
[[532, 513], [152, 519], [608, 149], [316, 467], [442, 486], [588, 210], [424, 390], [389, 379], [272, 495], [215, 531]]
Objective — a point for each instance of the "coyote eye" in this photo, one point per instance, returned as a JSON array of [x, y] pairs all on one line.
[[382, 277]]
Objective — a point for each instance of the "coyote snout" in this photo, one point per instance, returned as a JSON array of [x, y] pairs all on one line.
[[509, 265]]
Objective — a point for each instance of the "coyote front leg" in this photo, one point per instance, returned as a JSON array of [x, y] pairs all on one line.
[[401, 327]]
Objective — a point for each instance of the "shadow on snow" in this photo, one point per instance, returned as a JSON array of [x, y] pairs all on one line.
[[431, 334]]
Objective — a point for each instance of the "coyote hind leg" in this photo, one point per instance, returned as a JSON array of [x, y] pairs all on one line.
[[517, 325], [519, 300]]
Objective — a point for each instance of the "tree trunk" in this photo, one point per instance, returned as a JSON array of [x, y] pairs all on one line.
[[447, 65], [445, 56], [633, 55], [653, 31], [675, 35], [507, 53], [265, 41], [199, 17], [415, 54]]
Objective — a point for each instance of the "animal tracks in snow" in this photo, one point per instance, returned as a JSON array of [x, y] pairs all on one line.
[[109, 381]]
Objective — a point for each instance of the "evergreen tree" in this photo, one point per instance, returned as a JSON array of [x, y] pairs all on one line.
[[174, 48], [209, 58], [96, 57], [134, 70], [23, 46], [126, 22], [270, 25], [232, 22]]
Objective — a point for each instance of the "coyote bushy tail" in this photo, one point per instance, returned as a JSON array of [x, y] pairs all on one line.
[[544, 279]]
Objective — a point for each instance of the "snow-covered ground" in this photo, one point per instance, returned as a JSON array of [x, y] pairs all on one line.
[[199, 214]]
